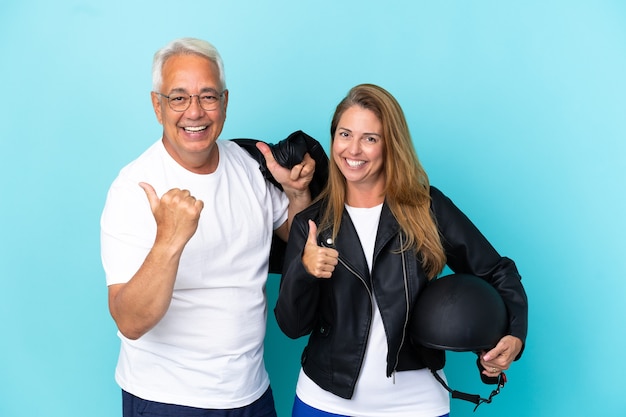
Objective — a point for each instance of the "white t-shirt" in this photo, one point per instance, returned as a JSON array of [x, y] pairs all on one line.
[[207, 351], [406, 394]]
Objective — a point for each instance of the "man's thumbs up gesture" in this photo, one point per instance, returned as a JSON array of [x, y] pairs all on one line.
[[318, 261]]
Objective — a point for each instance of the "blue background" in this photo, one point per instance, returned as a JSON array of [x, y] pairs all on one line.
[[517, 110]]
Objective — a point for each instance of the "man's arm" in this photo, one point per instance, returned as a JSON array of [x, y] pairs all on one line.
[[139, 304], [295, 183]]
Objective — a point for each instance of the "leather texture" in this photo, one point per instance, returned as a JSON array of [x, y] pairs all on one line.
[[337, 312], [289, 152]]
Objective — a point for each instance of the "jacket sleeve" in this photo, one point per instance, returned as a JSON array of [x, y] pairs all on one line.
[[468, 251], [297, 304]]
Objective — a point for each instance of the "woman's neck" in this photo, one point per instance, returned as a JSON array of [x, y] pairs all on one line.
[[364, 199]]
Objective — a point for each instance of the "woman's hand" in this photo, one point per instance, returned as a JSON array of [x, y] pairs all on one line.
[[500, 357], [318, 261]]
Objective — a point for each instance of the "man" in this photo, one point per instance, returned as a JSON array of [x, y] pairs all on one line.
[[186, 233]]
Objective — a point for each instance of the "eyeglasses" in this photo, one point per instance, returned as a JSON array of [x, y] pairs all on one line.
[[181, 102]]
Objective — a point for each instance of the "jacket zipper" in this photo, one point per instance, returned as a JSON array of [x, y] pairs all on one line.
[[329, 244], [406, 300], [356, 274]]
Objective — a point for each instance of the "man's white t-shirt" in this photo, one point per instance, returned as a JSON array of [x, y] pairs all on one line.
[[207, 351]]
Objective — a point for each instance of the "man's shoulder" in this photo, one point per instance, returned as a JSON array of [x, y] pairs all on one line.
[[233, 149], [238, 156], [155, 150], [138, 168]]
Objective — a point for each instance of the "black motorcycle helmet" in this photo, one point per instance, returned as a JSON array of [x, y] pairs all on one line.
[[461, 313]]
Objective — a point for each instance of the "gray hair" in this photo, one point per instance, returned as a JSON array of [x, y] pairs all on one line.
[[185, 46]]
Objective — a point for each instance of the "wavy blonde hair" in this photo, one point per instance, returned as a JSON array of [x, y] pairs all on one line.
[[407, 186]]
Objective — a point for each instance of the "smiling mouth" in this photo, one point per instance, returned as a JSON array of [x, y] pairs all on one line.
[[354, 164], [194, 129]]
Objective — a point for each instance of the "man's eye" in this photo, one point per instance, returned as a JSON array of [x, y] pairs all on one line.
[[208, 98], [178, 99]]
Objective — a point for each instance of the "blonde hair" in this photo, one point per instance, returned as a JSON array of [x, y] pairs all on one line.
[[407, 187]]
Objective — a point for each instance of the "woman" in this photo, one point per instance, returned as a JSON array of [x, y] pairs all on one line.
[[358, 258]]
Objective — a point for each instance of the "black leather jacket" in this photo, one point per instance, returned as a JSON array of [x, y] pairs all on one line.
[[337, 312], [289, 152]]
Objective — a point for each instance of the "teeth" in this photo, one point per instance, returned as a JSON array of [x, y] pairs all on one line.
[[354, 164], [194, 128]]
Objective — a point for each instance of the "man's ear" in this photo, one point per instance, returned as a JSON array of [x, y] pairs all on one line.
[[156, 104]]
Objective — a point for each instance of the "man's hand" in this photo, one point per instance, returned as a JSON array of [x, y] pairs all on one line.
[[176, 213], [295, 181]]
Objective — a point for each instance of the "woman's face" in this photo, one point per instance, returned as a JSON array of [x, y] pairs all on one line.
[[358, 149]]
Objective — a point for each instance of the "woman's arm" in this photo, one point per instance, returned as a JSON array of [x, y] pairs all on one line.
[[297, 304], [468, 251]]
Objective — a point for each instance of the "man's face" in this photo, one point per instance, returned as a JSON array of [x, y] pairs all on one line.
[[189, 136]]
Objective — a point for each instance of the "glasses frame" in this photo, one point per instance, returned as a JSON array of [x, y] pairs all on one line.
[[191, 96]]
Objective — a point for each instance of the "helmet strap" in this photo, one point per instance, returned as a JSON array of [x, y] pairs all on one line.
[[473, 398]]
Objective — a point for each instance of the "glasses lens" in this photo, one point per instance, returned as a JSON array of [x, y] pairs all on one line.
[[179, 102], [209, 101]]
